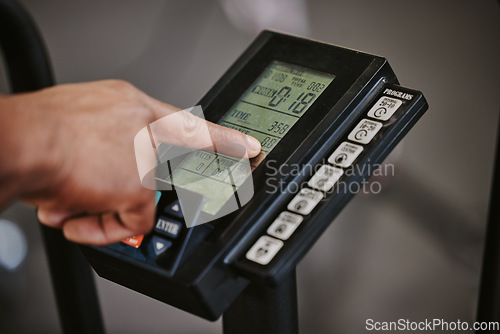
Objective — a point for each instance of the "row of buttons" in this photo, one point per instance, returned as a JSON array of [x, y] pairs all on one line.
[[267, 246], [167, 229]]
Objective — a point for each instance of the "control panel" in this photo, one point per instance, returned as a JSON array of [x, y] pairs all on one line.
[[326, 117]]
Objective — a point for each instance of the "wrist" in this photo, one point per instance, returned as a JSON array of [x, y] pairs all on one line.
[[26, 155]]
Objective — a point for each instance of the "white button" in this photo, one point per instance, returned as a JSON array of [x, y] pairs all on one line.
[[264, 250], [325, 178], [365, 131], [345, 154], [384, 108], [305, 201], [284, 225]]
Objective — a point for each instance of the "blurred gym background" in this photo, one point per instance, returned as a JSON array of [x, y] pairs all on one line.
[[411, 252]]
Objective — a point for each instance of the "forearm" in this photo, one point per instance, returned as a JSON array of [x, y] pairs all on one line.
[[24, 148]]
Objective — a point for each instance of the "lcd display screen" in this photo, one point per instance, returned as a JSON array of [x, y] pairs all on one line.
[[267, 110]]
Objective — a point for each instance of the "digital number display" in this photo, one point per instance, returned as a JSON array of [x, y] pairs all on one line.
[[267, 110], [275, 102]]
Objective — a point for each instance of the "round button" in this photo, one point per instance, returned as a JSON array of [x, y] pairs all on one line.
[[300, 205], [340, 158], [380, 112], [360, 134]]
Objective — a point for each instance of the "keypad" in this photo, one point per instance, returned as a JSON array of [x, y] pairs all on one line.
[[323, 180], [160, 245], [345, 154], [264, 250], [283, 226], [305, 201], [174, 209], [168, 227], [384, 108], [365, 131]]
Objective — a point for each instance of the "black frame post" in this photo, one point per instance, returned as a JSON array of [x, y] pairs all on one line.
[[489, 294], [264, 309], [74, 286], [29, 69]]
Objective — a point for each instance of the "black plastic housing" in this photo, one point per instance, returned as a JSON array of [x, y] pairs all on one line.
[[208, 269]]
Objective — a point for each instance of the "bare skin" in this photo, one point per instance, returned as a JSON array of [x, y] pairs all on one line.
[[69, 150]]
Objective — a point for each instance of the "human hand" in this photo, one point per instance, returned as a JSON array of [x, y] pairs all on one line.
[[85, 177]]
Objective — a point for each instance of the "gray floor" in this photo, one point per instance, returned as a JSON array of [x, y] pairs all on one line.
[[411, 252]]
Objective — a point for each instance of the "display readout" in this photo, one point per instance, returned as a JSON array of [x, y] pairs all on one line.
[[267, 110], [275, 102]]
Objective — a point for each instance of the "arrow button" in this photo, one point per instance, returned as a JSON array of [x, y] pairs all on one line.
[[160, 245], [174, 209]]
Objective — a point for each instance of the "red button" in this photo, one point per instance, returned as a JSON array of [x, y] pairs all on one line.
[[134, 241]]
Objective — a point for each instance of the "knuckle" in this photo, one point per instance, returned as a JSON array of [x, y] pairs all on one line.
[[123, 88], [120, 84], [191, 125], [223, 135]]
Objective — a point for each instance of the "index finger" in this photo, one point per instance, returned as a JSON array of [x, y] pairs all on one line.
[[182, 128]]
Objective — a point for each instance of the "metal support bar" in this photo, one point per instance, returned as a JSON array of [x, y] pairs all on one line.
[[73, 284], [264, 309], [29, 69], [489, 294]]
